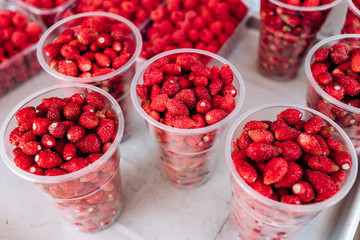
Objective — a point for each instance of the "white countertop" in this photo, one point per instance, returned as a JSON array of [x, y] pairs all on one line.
[[154, 209]]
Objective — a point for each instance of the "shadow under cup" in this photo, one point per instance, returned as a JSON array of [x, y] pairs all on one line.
[[116, 83], [187, 156], [254, 216], [91, 198]]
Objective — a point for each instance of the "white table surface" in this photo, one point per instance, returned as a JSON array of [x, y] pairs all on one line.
[[154, 209]]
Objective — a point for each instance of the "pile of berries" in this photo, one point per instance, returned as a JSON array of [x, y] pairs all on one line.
[[48, 4], [291, 160], [287, 34], [62, 135], [203, 25], [137, 11], [98, 48], [336, 69], [185, 93], [352, 20]]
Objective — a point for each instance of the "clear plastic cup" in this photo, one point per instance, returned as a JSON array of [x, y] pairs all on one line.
[[184, 163], [116, 83], [343, 114], [46, 15], [254, 216], [286, 33], [352, 19], [91, 198]]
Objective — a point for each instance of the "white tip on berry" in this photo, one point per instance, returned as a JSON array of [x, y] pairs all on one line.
[[68, 61], [337, 87], [54, 125], [34, 126], [32, 170], [49, 143], [36, 158], [101, 40], [296, 188], [91, 209], [345, 166], [68, 158], [68, 136], [39, 147], [202, 104]]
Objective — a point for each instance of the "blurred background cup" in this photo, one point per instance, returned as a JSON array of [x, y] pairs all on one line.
[[116, 83], [254, 216], [91, 198], [352, 18], [187, 156], [345, 115], [286, 33]]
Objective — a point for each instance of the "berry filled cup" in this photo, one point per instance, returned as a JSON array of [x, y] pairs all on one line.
[[287, 163], [96, 48], [187, 97], [65, 139], [352, 19], [288, 29], [332, 68], [45, 10]]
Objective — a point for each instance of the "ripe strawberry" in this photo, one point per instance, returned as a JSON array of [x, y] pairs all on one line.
[[216, 86], [183, 121], [170, 86], [87, 35], [74, 165], [188, 97], [309, 143], [227, 103], [339, 53], [275, 170], [54, 172], [261, 135], [159, 102], [229, 89], [343, 159], [318, 68], [226, 74], [89, 144], [71, 188], [69, 52], [324, 78], [25, 117], [286, 133], [153, 76], [88, 120], [31, 148], [293, 175], [350, 85], [102, 60], [246, 171], [95, 99], [261, 188], [324, 148], [75, 133], [185, 61], [72, 111], [291, 151], [105, 129], [48, 159], [52, 50], [203, 106], [84, 64], [35, 169], [322, 183], [57, 129], [313, 125], [323, 164], [291, 116], [355, 63], [326, 131], [26, 137], [202, 93], [214, 116], [40, 126], [338, 176], [15, 136], [304, 190], [48, 141], [322, 54], [23, 161], [69, 151], [260, 151], [252, 125], [290, 199]]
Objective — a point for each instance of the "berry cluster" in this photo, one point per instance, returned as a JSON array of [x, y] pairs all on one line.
[[45, 4], [286, 35], [137, 11], [291, 160], [62, 136], [17, 33], [97, 49], [336, 69], [203, 25], [352, 20]]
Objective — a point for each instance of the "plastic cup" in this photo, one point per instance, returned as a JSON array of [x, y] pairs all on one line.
[[254, 216], [343, 114], [352, 19], [47, 15], [187, 156], [117, 83], [286, 33], [91, 198]]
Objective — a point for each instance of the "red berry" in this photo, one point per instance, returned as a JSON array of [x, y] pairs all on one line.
[[48, 159]]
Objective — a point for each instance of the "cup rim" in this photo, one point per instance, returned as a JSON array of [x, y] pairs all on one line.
[[164, 127], [45, 11], [291, 207], [306, 9], [69, 176], [311, 79], [353, 7], [122, 69]]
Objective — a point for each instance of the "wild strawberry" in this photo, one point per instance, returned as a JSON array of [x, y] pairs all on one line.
[[254, 124], [35, 169], [260, 151], [88, 120], [159, 102], [68, 67], [48, 159], [33, 29], [343, 159], [291, 116], [69, 151], [57, 129], [71, 188], [309, 143], [59, 146], [84, 64], [313, 125], [261, 188], [339, 53], [54, 113], [104, 40], [74, 165], [89, 144], [226, 74], [291, 151], [202, 93], [102, 60], [261, 135], [87, 35], [15, 136], [322, 183], [304, 190], [183, 121], [323, 164], [75, 133], [31, 148], [95, 99], [326, 131], [116, 46], [227, 103], [188, 97], [72, 111], [322, 54], [23, 161], [293, 175], [286, 133], [171, 68], [338, 176], [170, 86], [324, 148], [54, 172], [185, 61], [26, 137], [275, 170], [52, 50], [355, 63], [318, 68], [105, 129], [110, 53], [290, 199], [40, 126], [324, 78], [66, 36], [69, 52], [18, 38], [142, 92], [203, 106], [216, 101], [350, 85], [25, 117], [153, 76], [48, 141], [214, 116], [229, 89], [93, 157], [199, 120], [216, 86], [246, 171], [101, 71]]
